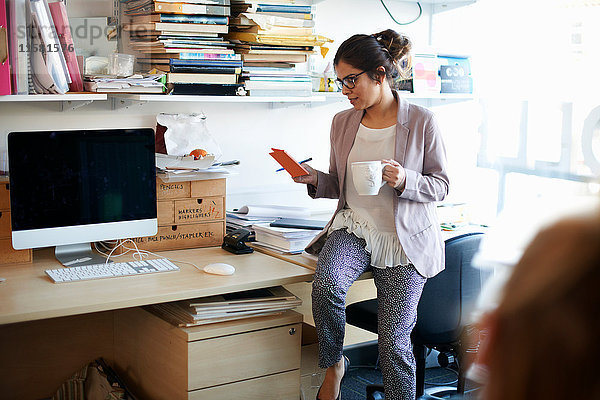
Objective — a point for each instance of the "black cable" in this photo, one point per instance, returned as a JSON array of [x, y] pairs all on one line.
[[403, 23]]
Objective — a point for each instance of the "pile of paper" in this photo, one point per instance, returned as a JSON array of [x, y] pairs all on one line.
[[284, 240], [227, 307], [132, 84]]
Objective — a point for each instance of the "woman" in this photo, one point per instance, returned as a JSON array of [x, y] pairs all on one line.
[[396, 232]]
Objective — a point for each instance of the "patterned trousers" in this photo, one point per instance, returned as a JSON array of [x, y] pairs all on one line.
[[341, 261]]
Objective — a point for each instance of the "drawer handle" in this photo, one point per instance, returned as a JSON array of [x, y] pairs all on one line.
[[199, 201], [292, 331]]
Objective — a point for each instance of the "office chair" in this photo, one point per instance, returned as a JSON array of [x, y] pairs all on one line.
[[442, 312]]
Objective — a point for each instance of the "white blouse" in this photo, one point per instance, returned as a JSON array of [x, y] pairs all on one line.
[[372, 217]]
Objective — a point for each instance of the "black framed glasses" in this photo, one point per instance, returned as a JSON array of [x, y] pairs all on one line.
[[349, 81]]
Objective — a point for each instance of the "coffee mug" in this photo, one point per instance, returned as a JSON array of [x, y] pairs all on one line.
[[367, 177]]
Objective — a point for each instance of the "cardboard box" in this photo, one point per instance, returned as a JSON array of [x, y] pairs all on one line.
[[190, 214], [185, 236]]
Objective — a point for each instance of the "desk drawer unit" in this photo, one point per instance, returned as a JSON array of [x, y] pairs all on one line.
[[190, 214], [254, 358], [8, 255]]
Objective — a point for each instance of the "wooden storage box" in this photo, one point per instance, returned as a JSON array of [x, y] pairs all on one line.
[[190, 214], [8, 255], [253, 358]]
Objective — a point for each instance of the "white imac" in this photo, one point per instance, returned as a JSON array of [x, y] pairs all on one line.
[[71, 188]]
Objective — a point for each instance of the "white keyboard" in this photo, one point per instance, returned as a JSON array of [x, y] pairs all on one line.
[[111, 270]]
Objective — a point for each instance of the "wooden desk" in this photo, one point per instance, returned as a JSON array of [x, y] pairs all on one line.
[[48, 331], [28, 294]]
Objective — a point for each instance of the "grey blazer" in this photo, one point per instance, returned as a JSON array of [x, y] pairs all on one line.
[[420, 150]]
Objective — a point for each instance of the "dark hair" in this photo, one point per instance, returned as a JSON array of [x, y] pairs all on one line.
[[388, 48]]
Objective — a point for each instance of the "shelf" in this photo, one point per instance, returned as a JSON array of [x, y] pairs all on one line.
[[126, 100], [68, 101], [53, 97], [217, 99]]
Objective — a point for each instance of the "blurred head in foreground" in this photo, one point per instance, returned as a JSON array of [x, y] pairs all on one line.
[[543, 338]]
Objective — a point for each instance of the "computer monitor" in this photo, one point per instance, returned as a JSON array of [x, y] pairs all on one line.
[[71, 188]]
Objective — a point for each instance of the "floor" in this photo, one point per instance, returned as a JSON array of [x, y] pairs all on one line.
[[358, 377]]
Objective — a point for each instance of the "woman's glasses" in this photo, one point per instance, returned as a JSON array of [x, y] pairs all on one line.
[[348, 81]]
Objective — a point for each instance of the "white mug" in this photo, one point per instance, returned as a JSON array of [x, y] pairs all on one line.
[[367, 177]]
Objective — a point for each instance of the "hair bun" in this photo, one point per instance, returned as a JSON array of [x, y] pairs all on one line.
[[396, 44]]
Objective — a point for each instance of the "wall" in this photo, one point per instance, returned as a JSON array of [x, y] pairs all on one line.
[[248, 131]]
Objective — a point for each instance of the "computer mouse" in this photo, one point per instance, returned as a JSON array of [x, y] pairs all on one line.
[[219, 269]]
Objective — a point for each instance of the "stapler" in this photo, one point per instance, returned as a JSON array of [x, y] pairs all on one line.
[[234, 242]]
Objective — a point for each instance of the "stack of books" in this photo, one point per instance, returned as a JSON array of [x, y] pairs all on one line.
[[227, 307], [273, 37], [283, 240], [186, 40]]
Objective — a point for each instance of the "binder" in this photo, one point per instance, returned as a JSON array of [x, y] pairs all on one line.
[[288, 163], [61, 23], [18, 29], [5, 86]]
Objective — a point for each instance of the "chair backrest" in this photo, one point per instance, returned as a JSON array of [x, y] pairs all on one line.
[[449, 296]]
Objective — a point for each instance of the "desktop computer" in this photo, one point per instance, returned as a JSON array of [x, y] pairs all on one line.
[[71, 188]]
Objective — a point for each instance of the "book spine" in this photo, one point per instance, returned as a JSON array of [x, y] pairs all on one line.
[[208, 56], [204, 69], [201, 78], [184, 8], [283, 8], [205, 89], [195, 19], [5, 82]]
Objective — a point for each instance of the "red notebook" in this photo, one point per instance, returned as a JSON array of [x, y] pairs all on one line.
[[61, 23], [288, 163], [4, 62]]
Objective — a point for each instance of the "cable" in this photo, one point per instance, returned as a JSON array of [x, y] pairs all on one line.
[[135, 250], [403, 23]]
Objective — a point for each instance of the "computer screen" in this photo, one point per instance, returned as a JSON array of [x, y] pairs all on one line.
[[70, 188]]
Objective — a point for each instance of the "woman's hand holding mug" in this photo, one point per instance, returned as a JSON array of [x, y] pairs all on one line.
[[394, 174]]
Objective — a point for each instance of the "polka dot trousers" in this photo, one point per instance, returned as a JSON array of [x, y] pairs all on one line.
[[341, 261]]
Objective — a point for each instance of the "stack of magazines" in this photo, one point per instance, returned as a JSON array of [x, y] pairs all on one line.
[[283, 240], [227, 307]]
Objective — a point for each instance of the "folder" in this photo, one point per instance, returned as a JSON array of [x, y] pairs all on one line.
[[288, 163], [61, 23], [299, 223], [5, 86]]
